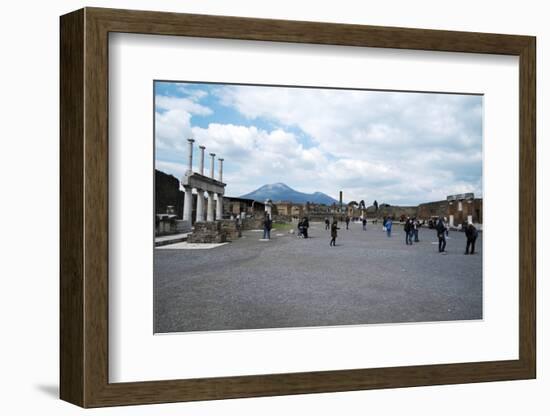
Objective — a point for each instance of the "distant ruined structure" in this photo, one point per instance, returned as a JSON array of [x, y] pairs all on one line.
[[202, 197], [202, 201], [168, 194], [458, 209]]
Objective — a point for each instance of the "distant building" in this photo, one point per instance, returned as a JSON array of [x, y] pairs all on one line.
[[394, 211], [239, 207], [458, 209], [291, 209], [283, 207]]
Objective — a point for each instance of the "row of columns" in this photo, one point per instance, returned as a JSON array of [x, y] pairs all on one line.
[[213, 207], [201, 162], [215, 200]]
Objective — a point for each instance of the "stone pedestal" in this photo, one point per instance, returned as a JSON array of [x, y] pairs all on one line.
[[208, 232], [232, 229]]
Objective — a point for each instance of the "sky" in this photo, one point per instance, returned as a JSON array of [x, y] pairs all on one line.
[[400, 148]]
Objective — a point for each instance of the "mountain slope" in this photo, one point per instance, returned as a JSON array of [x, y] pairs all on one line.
[[281, 192]]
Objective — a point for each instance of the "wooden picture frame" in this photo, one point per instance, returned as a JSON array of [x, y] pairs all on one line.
[[84, 207]]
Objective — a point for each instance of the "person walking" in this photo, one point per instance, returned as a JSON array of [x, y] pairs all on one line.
[[471, 237], [305, 223], [408, 231], [267, 227], [389, 224], [347, 222], [441, 229], [364, 224], [327, 223], [333, 233]]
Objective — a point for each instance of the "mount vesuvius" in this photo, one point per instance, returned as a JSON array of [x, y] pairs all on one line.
[[281, 192]]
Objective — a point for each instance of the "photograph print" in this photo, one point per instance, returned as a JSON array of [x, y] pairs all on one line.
[[294, 207]]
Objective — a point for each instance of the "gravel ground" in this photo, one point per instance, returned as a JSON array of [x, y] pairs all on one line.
[[292, 282]]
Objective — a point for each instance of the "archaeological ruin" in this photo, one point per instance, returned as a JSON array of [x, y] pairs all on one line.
[[197, 206]]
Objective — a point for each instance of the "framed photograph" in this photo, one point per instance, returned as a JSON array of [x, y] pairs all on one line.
[[255, 207]]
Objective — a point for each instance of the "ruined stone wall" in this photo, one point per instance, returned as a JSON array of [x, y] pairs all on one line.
[[433, 209], [232, 229], [208, 232], [396, 212], [460, 210]]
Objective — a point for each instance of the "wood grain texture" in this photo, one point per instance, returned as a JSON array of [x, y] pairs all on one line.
[[71, 203], [84, 193], [528, 207]]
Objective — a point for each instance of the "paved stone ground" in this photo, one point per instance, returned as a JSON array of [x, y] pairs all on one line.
[[290, 282]]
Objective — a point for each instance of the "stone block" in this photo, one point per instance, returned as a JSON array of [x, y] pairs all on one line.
[[208, 232]]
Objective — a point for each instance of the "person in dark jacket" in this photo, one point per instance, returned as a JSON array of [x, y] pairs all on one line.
[[333, 233], [267, 227], [440, 229], [347, 222], [408, 231], [364, 224], [471, 237], [305, 225], [300, 229], [327, 224]]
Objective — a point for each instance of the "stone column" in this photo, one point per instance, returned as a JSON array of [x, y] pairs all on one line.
[[201, 166], [268, 207], [219, 206], [190, 156], [200, 206], [220, 173], [188, 203], [210, 208], [212, 156]]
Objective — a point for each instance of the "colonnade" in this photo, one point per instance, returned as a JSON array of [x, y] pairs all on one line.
[[203, 185]]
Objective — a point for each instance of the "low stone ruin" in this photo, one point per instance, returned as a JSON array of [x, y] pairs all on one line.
[[232, 229], [208, 232]]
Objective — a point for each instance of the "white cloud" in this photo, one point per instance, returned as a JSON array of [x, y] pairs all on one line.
[[393, 147], [193, 94], [164, 102]]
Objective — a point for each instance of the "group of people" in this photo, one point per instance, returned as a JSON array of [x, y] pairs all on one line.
[[442, 230], [334, 228], [411, 227]]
